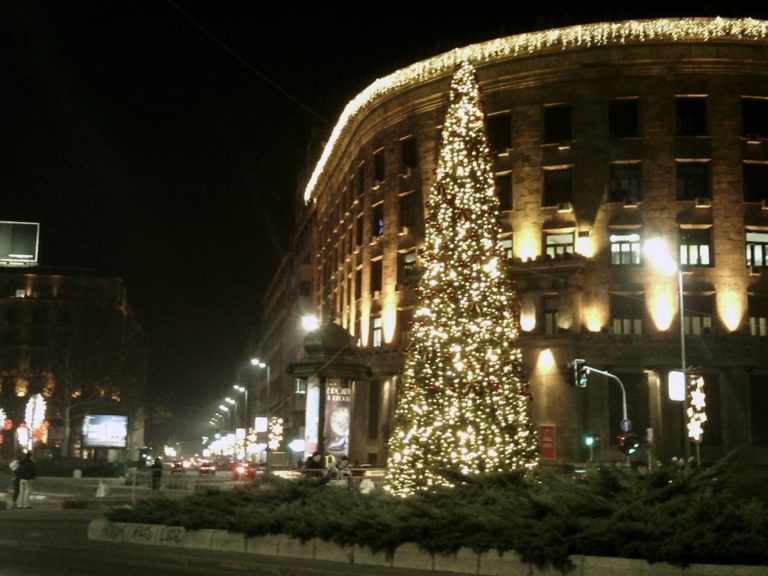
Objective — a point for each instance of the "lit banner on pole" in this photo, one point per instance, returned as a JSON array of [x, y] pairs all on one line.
[[338, 407], [312, 413]]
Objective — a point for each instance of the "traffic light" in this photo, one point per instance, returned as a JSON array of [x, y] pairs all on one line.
[[579, 372], [629, 443], [591, 439]]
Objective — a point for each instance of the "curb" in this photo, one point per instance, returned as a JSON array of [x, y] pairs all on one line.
[[407, 556]]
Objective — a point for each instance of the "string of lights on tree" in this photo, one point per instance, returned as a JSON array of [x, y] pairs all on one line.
[[521, 45], [464, 404]]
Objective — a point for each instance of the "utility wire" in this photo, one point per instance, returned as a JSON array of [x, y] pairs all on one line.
[[247, 64]]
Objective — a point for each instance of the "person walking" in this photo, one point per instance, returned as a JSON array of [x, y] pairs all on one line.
[[14, 467], [157, 473], [26, 473]]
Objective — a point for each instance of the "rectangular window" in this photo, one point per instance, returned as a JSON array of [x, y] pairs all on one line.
[[378, 166], [695, 247], [558, 245], [692, 180], [755, 182], [377, 221], [359, 182], [624, 118], [549, 309], [408, 155], [499, 128], [758, 315], [374, 408], [625, 248], [507, 247], [358, 286], [627, 314], [376, 275], [758, 404], [698, 314], [409, 210], [558, 186], [406, 270], [359, 231], [754, 118], [624, 184], [377, 331], [557, 124], [503, 185], [757, 249], [404, 326], [691, 116]]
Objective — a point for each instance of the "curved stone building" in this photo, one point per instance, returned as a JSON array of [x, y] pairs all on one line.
[[603, 137]]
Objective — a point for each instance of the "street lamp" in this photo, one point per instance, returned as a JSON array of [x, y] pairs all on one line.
[[244, 391], [660, 257], [261, 364]]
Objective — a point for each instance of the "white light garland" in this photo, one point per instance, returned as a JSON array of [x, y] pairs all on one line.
[[583, 36]]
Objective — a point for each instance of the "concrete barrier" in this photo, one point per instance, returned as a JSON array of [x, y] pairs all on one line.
[[464, 561], [295, 548], [495, 563], [363, 555], [228, 541], [142, 533], [407, 556], [265, 545], [410, 555], [333, 552]]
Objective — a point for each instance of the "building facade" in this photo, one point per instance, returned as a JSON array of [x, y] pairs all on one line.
[[603, 137], [69, 340]]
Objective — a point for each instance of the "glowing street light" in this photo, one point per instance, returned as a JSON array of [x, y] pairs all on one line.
[[660, 257]]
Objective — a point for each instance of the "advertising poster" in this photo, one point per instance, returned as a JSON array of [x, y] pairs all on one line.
[[105, 431], [547, 446], [338, 408], [312, 416]]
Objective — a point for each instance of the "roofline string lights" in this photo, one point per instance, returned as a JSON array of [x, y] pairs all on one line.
[[542, 42]]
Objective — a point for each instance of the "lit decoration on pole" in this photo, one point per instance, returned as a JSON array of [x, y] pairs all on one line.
[[464, 404], [275, 436], [697, 413], [34, 415], [630, 32]]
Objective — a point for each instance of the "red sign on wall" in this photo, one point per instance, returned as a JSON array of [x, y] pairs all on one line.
[[547, 443]]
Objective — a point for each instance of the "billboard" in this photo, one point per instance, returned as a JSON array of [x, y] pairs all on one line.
[[105, 431], [19, 242]]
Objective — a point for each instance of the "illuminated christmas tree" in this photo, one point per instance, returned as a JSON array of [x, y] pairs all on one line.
[[464, 404]]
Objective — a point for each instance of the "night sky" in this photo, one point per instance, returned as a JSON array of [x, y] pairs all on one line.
[[162, 142]]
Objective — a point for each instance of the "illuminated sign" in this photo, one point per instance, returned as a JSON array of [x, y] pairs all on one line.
[[19, 242], [105, 431]]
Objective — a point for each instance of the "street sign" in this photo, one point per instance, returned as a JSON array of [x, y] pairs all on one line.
[[626, 425]]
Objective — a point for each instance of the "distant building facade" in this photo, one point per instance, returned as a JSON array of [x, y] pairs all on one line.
[[70, 338], [603, 137]]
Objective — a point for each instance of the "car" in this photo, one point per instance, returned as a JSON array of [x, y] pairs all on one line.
[[207, 467], [243, 471], [177, 467]]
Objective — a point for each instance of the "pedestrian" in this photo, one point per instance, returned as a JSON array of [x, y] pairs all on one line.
[[314, 465], [157, 473], [26, 473], [340, 471], [14, 467]]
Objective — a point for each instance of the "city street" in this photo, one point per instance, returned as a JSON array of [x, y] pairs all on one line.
[[46, 542]]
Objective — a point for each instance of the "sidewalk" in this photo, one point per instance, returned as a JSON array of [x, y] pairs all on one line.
[[58, 493]]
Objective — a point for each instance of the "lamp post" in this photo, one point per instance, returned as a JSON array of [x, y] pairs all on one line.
[[225, 409], [660, 257], [244, 391], [261, 364]]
